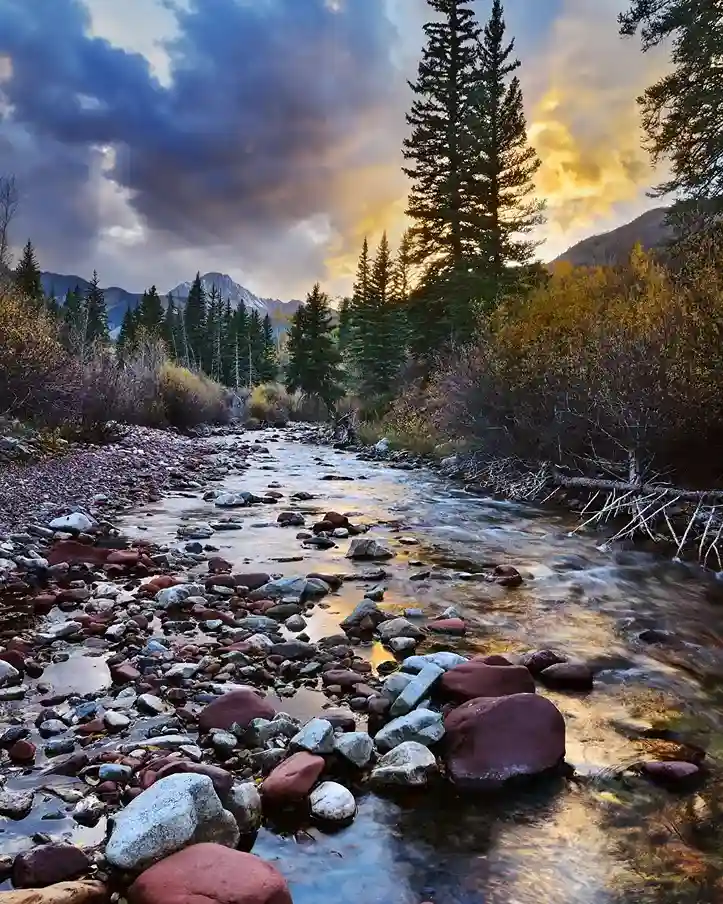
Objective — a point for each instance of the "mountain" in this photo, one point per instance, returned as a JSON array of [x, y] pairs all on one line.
[[119, 300], [614, 247]]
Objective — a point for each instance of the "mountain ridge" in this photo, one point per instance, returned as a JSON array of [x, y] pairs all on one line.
[[118, 300], [614, 247]]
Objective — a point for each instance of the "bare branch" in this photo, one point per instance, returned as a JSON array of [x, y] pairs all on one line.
[[9, 200]]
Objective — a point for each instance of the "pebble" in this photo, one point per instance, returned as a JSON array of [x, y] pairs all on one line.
[[332, 802]]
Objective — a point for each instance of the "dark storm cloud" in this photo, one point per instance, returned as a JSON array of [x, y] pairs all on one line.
[[269, 101]]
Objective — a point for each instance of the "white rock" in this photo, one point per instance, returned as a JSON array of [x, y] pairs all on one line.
[[182, 670], [60, 630], [369, 548], [332, 802], [8, 673], [317, 736], [116, 720], [422, 725], [16, 804], [115, 632], [106, 591], [416, 690], [355, 746], [445, 660], [409, 764], [382, 445], [259, 643], [88, 811], [172, 814], [166, 742], [402, 644], [244, 802], [76, 521], [149, 703]]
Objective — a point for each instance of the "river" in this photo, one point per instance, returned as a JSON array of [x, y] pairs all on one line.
[[602, 835]]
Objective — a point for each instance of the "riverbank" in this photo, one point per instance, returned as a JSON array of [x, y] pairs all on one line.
[[217, 653]]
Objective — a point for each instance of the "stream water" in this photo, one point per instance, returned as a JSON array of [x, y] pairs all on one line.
[[600, 836]]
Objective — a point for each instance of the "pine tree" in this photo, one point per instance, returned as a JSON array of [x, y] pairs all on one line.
[[438, 149], [128, 332], [401, 287], [96, 315], [214, 322], [228, 345], [27, 276], [240, 343], [442, 163], [254, 349], [195, 323], [503, 211], [314, 360], [344, 331], [268, 366], [150, 313], [74, 320], [680, 111], [377, 345], [171, 330]]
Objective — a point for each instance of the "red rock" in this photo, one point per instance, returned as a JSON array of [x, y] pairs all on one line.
[[141, 621], [346, 678], [95, 726], [48, 863], [43, 603], [494, 659], [75, 553], [336, 520], [69, 766], [124, 672], [478, 678], [672, 773], [218, 565], [128, 558], [14, 658], [241, 706], [568, 676], [448, 626], [539, 660], [252, 581], [221, 580], [22, 752], [507, 576], [293, 779], [160, 582], [210, 874], [492, 739]]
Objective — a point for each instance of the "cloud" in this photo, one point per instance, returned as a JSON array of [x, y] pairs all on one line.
[[269, 108], [585, 122]]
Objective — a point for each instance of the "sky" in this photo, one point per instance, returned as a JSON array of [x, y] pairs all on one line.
[[262, 138]]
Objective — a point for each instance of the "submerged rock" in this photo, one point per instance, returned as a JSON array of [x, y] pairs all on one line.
[[492, 739], [568, 676], [369, 548], [479, 678], [423, 726]]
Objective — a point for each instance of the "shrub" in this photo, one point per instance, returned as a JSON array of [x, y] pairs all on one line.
[[190, 398], [616, 364], [38, 379], [270, 403]]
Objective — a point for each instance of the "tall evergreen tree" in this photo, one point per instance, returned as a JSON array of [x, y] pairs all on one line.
[[195, 323], [27, 276], [151, 316], [503, 210], [172, 333], [344, 330], [439, 154], [96, 315], [228, 345], [401, 287], [240, 344], [681, 111], [268, 367], [128, 331], [442, 163], [254, 349], [314, 360], [214, 324], [74, 318]]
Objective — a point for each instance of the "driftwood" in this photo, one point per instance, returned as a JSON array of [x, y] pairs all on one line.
[[692, 520]]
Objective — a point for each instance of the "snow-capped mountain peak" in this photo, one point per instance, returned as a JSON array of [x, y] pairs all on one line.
[[226, 287]]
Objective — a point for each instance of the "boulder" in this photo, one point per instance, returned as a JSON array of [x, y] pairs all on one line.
[[478, 678], [398, 627], [444, 660], [244, 802], [293, 779], [210, 874], [453, 626], [317, 736], [369, 548], [568, 676], [410, 764], [47, 864], [175, 812], [239, 706], [76, 522], [492, 739], [252, 581], [332, 802], [417, 689], [672, 773], [356, 747], [422, 726], [539, 660], [61, 893]]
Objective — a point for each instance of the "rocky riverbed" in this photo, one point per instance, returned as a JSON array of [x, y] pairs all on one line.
[[357, 674]]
